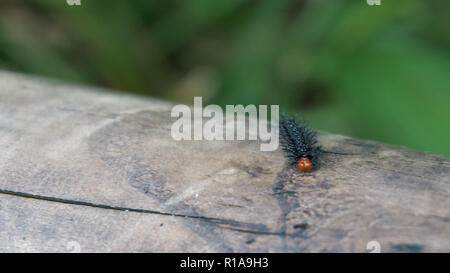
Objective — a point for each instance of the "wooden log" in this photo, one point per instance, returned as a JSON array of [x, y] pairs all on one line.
[[92, 171]]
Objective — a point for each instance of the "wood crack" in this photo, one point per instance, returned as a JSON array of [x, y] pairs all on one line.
[[260, 229]]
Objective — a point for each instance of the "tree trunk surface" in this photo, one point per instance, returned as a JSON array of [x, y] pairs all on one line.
[[84, 170]]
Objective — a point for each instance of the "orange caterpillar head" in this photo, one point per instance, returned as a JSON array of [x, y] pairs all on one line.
[[304, 164]]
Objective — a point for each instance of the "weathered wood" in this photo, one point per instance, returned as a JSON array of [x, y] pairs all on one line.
[[83, 144]]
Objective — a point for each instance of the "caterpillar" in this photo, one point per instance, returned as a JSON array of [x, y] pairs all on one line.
[[299, 142]]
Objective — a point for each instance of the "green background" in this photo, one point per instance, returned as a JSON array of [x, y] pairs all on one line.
[[375, 72]]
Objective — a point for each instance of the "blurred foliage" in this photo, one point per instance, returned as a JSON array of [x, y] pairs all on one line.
[[376, 72]]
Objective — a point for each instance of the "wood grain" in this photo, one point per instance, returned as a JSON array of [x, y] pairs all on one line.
[[82, 169]]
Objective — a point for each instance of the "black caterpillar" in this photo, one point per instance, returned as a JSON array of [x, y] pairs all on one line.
[[299, 142]]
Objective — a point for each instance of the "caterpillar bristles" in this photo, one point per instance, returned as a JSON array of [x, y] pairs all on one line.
[[299, 143]]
